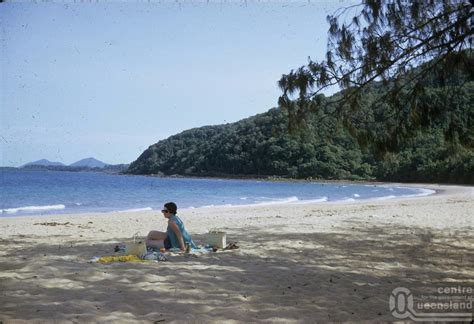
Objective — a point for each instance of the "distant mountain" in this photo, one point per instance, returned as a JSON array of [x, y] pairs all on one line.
[[84, 165], [89, 163], [43, 162]]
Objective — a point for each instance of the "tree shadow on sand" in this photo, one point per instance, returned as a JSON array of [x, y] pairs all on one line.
[[273, 276]]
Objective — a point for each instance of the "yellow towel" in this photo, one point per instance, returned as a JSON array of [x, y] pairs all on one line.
[[120, 258]]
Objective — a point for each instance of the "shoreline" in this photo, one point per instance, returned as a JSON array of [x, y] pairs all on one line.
[[441, 191], [437, 188], [275, 178]]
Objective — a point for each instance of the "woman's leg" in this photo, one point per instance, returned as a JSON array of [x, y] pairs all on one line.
[[156, 235], [156, 239]]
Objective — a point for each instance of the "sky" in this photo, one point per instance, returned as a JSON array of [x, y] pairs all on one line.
[[108, 79]]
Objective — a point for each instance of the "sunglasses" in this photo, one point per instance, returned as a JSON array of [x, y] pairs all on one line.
[[165, 211]]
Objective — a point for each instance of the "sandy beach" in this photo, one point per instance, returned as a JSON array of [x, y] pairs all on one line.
[[296, 262]]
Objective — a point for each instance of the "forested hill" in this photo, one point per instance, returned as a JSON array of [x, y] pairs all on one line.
[[261, 146], [258, 145]]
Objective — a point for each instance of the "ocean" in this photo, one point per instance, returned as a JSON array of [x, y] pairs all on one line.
[[47, 192]]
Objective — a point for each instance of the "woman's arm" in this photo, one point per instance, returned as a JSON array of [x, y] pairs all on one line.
[[176, 230]]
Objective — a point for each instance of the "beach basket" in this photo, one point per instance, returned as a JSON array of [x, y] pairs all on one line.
[[136, 247], [217, 239]]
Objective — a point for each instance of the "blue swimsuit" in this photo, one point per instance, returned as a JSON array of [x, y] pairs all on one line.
[[172, 240]]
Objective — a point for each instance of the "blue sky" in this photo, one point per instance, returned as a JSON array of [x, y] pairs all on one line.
[[109, 79]]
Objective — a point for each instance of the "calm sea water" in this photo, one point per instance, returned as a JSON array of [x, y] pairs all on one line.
[[43, 192]]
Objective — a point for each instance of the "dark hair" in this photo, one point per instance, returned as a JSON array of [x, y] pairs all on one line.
[[171, 207]]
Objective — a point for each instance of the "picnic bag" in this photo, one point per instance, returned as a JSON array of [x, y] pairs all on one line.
[[217, 239], [136, 247]]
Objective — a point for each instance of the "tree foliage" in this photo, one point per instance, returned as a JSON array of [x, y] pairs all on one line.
[[262, 146], [408, 93], [256, 146], [400, 48]]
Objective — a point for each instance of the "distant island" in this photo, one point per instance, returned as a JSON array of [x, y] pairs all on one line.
[[42, 162], [87, 164]]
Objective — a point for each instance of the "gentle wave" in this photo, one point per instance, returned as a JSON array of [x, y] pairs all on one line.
[[32, 209], [423, 192], [287, 200], [135, 210], [212, 206], [313, 201], [296, 200], [278, 201], [385, 197], [346, 200]]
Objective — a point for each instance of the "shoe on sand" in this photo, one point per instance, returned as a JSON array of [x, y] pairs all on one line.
[[231, 246]]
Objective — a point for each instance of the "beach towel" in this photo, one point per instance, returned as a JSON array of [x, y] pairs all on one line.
[[119, 258]]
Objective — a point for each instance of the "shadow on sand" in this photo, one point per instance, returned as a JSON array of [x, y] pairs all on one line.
[[340, 276]]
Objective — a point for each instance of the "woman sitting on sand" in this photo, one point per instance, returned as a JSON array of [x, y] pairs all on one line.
[[175, 236]]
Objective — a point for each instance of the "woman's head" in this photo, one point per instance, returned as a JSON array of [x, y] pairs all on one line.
[[170, 207]]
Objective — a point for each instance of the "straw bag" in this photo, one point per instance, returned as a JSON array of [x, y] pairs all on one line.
[[136, 247], [217, 239]]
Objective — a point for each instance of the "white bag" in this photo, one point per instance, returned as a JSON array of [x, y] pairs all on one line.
[[137, 247], [217, 239]]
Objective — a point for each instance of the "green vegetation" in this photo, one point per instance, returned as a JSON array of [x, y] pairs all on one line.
[[326, 147], [405, 112], [257, 146], [401, 45]]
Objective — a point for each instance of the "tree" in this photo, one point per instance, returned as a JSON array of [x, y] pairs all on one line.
[[397, 46]]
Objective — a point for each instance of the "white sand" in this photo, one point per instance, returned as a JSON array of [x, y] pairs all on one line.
[[296, 263]]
